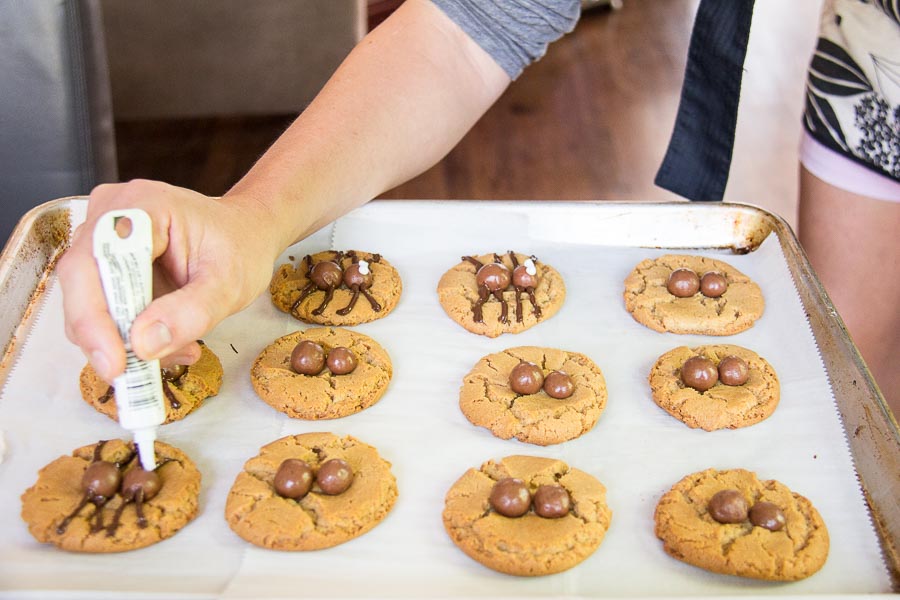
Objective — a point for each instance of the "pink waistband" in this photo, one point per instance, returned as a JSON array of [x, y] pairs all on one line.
[[839, 171]]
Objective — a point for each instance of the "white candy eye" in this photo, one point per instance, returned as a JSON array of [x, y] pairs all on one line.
[[529, 267], [363, 267]]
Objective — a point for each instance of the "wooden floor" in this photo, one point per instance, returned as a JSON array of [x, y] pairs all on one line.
[[589, 121]]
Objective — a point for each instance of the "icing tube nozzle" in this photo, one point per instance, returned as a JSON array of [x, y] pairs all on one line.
[[144, 439]]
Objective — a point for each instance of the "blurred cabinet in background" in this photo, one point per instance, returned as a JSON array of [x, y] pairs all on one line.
[[194, 58]]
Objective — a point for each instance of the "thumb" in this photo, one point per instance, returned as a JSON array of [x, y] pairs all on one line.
[[178, 318]]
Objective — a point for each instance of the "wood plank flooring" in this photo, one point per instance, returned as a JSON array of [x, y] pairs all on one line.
[[590, 121]]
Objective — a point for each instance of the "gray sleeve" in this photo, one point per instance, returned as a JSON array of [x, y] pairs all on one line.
[[514, 32]]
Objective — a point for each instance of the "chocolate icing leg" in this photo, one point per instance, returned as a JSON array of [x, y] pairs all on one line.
[[306, 291], [173, 401], [329, 293], [346, 310], [504, 309]]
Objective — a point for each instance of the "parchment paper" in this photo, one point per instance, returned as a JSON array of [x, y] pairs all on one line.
[[636, 449]]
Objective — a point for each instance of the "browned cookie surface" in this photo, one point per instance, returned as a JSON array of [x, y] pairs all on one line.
[[257, 513], [58, 492], [458, 293], [721, 406], [289, 282], [324, 395], [651, 304], [529, 544], [685, 524], [487, 399], [199, 381]]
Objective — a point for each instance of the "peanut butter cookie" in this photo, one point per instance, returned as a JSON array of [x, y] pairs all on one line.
[[337, 288], [185, 387], [290, 498], [692, 294], [722, 401], [321, 373], [560, 515], [537, 395], [731, 522], [101, 500], [494, 294]]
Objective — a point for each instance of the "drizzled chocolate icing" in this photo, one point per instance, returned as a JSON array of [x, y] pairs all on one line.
[[100, 483], [494, 278], [138, 486], [329, 275], [170, 376], [524, 282], [103, 480]]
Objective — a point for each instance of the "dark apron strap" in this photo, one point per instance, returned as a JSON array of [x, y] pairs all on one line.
[[699, 154]]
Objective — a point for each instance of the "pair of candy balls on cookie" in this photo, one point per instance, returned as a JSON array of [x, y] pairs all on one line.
[[700, 373], [294, 478], [684, 283], [730, 507], [511, 497], [103, 480], [310, 358], [527, 378]]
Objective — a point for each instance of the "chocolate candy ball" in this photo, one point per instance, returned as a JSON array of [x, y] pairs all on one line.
[[683, 283], [728, 506], [699, 373], [341, 361], [559, 385], [353, 277], [101, 479], [293, 479], [526, 378], [493, 276], [308, 358], [733, 370], [138, 479], [510, 497], [326, 275], [768, 516], [552, 501], [522, 278], [334, 476], [174, 372], [713, 284]]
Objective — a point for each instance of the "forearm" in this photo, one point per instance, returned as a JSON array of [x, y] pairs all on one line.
[[399, 102]]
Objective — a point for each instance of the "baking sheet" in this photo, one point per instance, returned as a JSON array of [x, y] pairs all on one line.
[[637, 450]]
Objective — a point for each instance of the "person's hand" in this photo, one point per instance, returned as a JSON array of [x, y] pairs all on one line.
[[212, 258]]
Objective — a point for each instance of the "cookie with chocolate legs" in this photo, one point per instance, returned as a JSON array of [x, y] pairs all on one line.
[[731, 522], [715, 387], [337, 288], [525, 515], [494, 294], [692, 294], [100, 499], [185, 388], [322, 373], [310, 491], [537, 395]]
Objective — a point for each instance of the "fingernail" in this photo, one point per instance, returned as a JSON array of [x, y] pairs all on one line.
[[100, 364], [187, 357], [157, 338]]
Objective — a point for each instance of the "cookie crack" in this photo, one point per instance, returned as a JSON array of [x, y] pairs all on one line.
[[490, 365]]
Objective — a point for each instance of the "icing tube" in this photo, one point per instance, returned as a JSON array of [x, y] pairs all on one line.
[[123, 245]]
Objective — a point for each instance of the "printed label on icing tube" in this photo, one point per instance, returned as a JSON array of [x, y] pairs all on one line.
[[123, 246]]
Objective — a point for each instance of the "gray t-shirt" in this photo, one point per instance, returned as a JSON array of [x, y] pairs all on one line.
[[514, 32]]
